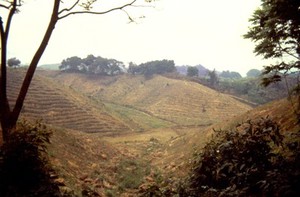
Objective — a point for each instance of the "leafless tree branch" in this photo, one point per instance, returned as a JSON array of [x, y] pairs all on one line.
[[9, 4], [128, 15], [69, 9], [4, 6], [98, 13]]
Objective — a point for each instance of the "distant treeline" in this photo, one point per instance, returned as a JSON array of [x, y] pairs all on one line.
[[103, 66], [153, 67], [230, 82], [92, 65]]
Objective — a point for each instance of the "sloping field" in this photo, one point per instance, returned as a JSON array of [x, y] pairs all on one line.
[[172, 112], [180, 149], [61, 107], [177, 101], [165, 153]]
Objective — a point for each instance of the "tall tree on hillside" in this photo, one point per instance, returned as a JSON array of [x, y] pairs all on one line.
[[133, 68], [8, 116], [71, 64], [13, 62], [213, 78], [153, 67], [276, 31], [192, 71]]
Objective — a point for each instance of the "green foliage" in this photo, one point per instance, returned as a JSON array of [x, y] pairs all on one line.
[[276, 31], [13, 62], [213, 78], [247, 161], [92, 65], [24, 166], [192, 71], [152, 67], [252, 90], [230, 75], [253, 73]]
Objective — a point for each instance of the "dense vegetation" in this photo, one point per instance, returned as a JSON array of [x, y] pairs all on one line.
[[249, 88], [92, 65], [276, 31], [192, 71], [24, 164], [251, 160], [252, 90], [103, 66], [152, 67], [13, 62]]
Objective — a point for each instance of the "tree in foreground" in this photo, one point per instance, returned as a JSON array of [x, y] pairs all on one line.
[[276, 31], [61, 10]]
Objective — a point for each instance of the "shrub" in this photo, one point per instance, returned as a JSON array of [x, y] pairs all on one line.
[[24, 166], [251, 160]]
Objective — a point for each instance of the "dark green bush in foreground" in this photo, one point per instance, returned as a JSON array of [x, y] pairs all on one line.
[[24, 166], [252, 160]]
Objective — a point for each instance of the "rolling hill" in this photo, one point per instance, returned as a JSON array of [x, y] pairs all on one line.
[[167, 154], [108, 128], [177, 102]]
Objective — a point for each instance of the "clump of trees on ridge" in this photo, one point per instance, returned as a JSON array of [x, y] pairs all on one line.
[[110, 67], [152, 67], [92, 65]]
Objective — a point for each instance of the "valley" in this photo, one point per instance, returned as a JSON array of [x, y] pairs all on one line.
[[116, 135]]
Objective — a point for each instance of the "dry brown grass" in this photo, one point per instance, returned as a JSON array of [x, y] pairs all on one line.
[[62, 107], [177, 101], [160, 121]]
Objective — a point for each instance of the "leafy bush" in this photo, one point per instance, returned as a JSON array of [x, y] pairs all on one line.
[[252, 160], [24, 166]]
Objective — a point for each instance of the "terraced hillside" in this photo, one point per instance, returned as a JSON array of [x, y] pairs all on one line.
[[62, 107], [166, 154], [176, 101]]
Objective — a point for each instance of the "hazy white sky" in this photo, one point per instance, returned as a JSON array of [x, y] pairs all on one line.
[[190, 32]]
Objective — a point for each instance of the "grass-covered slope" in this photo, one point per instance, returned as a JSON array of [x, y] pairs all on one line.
[[99, 162], [60, 106], [176, 101], [282, 112]]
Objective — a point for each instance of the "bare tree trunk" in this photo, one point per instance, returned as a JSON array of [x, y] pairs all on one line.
[[29, 75], [5, 112], [9, 118]]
